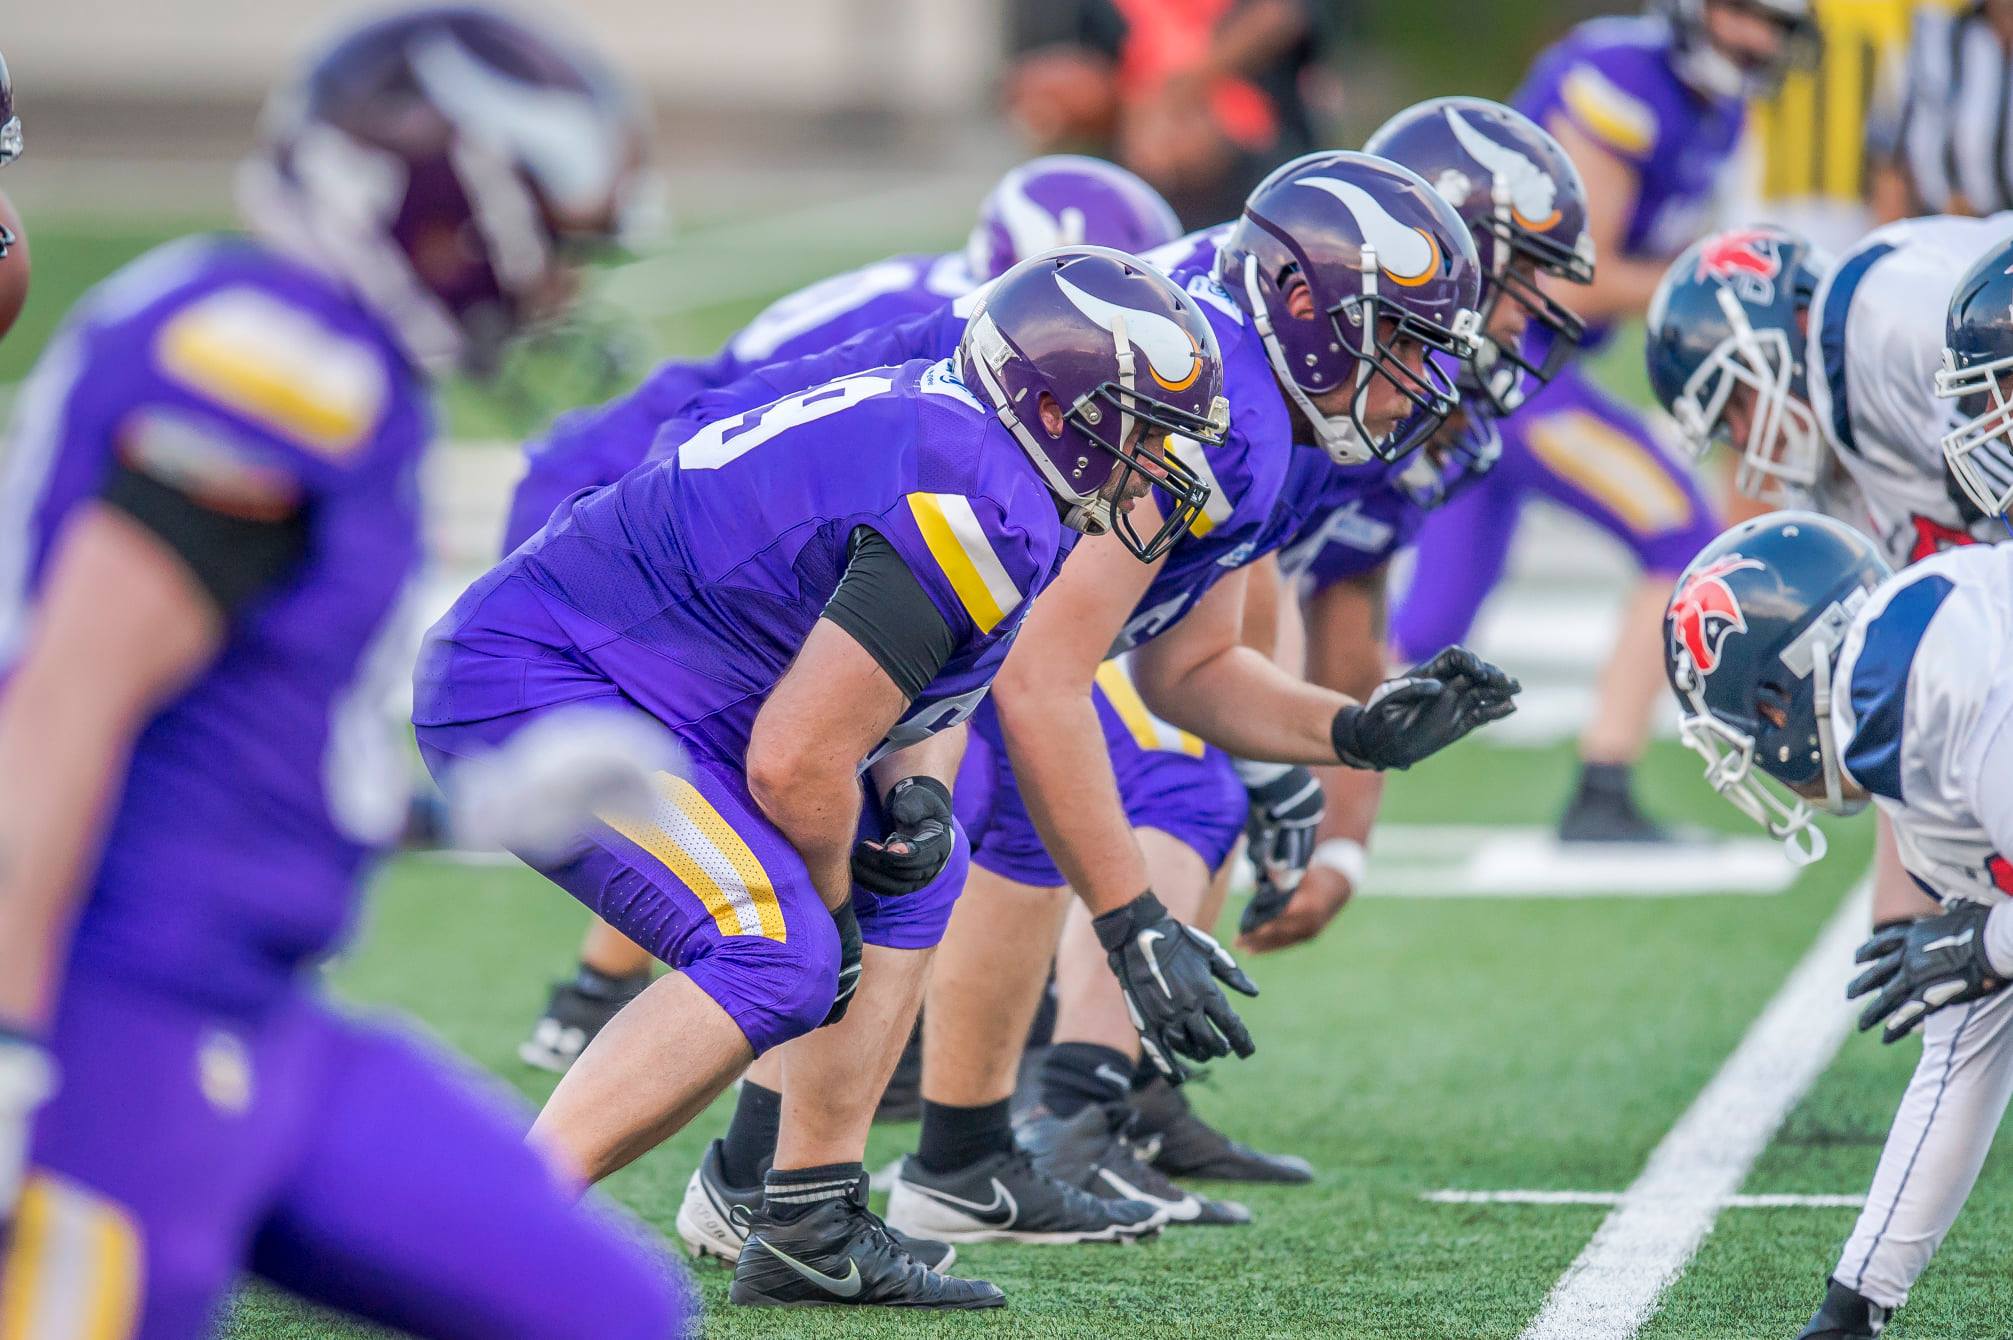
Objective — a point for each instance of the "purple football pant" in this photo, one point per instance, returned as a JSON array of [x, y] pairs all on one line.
[[347, 1165], [1167, 778], [1578, 446], [713, 889]]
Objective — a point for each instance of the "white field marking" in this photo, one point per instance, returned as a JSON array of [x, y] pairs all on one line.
[[1646, 1241], [1457, 1196], [1478, 861]]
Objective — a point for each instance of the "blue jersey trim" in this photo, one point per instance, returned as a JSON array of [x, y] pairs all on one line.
[[1831, 335], [1880, 684]]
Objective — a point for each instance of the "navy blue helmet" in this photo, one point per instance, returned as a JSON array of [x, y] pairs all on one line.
[[1725, 353], [1751, 634], [1977, 362], [10, 124]]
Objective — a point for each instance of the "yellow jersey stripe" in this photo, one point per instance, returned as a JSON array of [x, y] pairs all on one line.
[[1613, 468], [708, 858], [115, 1296], [958, 543], [27, 1259], [1621, 119], [1146, 729], [255, 355], [1217, 510]]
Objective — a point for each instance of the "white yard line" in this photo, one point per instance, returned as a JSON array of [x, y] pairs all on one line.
[[1776, 1201], [1642, 1247]]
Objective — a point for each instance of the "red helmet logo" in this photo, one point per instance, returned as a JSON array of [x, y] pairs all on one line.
[[1704, 612], [1747, 259]]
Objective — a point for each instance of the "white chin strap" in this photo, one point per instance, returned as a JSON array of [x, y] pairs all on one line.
[[1980, 449], [1338, 437]]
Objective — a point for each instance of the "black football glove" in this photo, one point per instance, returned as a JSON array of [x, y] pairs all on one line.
[[1921, 966], [1423, 711], [918, 842], [849, 961], [1286, 806], [1168, 974]]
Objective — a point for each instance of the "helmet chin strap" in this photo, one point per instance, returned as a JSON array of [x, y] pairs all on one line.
[[1835, 800], [1729, 759], [1338, 437]]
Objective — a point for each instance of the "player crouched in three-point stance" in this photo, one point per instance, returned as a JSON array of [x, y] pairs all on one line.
[[209, 514], [811, 591], [1797, 656]]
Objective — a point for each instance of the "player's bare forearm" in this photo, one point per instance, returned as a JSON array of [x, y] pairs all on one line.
[[1059, 759], [938, 757], [1623, 285], [1346, 653], [121, 627]]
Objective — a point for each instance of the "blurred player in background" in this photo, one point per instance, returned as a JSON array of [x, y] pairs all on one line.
[[1650, 110], [1200, 97], [1049, 202], [1813, 680], [210, 513], [1950, 143], [13, 243]]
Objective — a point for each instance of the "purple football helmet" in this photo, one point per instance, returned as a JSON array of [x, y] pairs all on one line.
[[1523, 200], [446, 162], [10, 124], [1387, 263], [1127, 357], [1065, 200]]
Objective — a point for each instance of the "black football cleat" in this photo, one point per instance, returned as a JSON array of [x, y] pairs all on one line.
[[1005, 1198], [712, 1218], [1167, 1133], [1845, 1316], [572, 1017], [840, 1254], [1088, 1151]]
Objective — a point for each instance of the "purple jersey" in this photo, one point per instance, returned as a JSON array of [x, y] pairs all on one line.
[[1612, 80], [220, 367], [591, 447], [691, 585]]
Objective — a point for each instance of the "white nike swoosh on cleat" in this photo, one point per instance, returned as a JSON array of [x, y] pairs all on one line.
[[1002, 1198], [840, 1286]]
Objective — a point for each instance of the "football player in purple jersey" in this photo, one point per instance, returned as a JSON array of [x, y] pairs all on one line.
[[209, 515], [1650, 110], [811, 593], [1062, 199]]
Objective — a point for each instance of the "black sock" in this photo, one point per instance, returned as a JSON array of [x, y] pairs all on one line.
[[1075, 1075], [750, 1142], [601, 986], [793, 1193], [957, 1137], [1606, 779]]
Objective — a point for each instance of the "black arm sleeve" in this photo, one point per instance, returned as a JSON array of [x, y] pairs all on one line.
[[885, 609], [233, 558]]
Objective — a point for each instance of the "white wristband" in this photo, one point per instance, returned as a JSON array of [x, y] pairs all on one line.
[[1999, 939], [1346, 857]]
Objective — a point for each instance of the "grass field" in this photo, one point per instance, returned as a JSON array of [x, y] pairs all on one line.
[[1484, 1043], [1425, 1043]]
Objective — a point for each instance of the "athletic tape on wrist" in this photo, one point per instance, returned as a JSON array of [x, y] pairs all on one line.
[[1346, 857]]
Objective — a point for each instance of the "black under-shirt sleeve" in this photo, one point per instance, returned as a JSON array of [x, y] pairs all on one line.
[[885, 609], [233, 558]]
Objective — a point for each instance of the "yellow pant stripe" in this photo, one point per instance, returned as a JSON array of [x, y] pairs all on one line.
[[694, 843], [1148, 730], [73, 1272], [1614, 468]]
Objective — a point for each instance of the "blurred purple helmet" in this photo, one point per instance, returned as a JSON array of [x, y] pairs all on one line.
[[1522, 198], [1127, 356], [445, 161], [1387, 262], [10, 124], [1065, 200]]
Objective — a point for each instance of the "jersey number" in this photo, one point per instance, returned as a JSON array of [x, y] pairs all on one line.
[[728, 440]]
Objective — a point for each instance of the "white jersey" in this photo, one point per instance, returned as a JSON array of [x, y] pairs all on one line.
[[1922, 712], [1875, 345]]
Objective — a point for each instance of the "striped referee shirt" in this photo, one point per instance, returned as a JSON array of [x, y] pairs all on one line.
[[1953, 138]]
